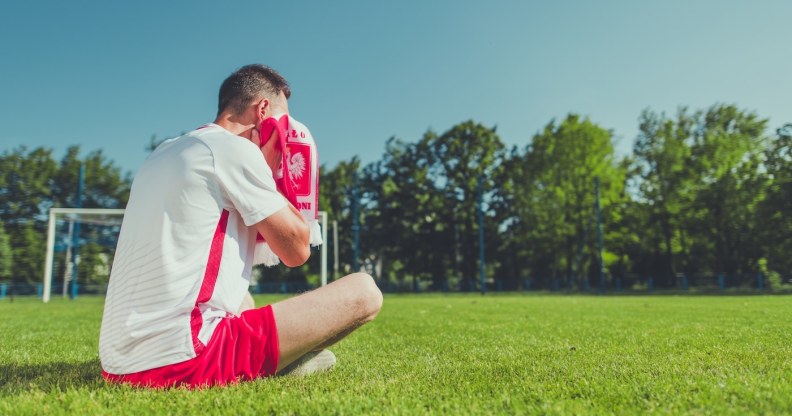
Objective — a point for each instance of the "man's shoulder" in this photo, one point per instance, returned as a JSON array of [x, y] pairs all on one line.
[[220, 140]]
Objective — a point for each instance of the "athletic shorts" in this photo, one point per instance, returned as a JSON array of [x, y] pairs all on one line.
[[241, 348]]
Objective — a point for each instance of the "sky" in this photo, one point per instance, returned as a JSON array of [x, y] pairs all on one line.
[[109, 75]]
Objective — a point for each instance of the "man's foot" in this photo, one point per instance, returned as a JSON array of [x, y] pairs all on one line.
[[313, 362]]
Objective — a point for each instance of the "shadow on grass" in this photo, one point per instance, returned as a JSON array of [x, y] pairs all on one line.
[[18, 378]]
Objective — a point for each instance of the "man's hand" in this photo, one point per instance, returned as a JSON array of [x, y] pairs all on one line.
[[288, 235]]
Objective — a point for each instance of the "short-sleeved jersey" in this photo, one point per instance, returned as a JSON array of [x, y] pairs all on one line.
[[185, 250]]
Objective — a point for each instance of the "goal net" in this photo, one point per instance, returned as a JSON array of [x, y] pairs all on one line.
[[89, 235], [79, 236]]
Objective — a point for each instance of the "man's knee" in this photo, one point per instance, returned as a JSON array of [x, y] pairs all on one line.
[[368, 297]]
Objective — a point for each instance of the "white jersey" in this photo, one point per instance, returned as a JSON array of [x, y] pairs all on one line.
[[185, 250]]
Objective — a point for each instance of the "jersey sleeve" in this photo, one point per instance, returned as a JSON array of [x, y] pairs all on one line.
[[247, 181]]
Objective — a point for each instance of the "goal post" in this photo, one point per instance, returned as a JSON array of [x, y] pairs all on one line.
[[323, 258], [55, 213]]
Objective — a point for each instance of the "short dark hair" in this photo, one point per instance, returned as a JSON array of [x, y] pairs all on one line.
[[249, 83]]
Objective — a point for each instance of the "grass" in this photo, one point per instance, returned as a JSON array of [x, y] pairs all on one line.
[[454, 354]]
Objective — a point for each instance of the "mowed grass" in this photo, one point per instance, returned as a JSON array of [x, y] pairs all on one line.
[[451, 354]]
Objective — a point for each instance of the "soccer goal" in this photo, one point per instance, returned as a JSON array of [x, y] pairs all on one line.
[[72, 218]]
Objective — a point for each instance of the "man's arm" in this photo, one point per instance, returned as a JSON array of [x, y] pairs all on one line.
[[286, 231], [288, 235]]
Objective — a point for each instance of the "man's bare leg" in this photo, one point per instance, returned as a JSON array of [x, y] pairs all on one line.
[[317, 319]]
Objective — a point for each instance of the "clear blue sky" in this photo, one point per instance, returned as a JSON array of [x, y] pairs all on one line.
[[107, 75]]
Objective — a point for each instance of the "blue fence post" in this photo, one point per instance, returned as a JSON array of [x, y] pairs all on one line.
[[480, 209], [527, 284], [39, 289], [721, 282], [3, 288], [600, 249], [760, 281], [684, 282], [618, 284], [650, 284]]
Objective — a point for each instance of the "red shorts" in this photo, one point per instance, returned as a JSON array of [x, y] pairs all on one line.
[[244, 347]]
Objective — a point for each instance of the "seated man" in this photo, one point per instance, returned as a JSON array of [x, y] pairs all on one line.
[[174, 311]]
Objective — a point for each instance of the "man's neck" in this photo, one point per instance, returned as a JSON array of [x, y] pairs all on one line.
[[234, 125]]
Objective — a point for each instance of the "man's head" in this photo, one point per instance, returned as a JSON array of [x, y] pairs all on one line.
[[253, 85]]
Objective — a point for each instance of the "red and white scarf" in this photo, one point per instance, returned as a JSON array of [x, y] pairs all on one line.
[[297, 177]]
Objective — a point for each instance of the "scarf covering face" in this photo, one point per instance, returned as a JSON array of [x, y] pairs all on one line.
[[297, 177]]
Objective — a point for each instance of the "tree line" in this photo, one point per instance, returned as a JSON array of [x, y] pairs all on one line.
[[31, 182], [703, 193]]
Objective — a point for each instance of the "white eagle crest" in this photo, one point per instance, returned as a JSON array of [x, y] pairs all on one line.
[[297, 166]]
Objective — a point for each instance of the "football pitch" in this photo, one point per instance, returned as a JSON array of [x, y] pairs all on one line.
[[451, 354]]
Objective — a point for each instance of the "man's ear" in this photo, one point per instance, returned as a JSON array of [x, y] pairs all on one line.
[[263, 110]]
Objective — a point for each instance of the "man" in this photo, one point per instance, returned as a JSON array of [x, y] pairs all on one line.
[[174, 311]]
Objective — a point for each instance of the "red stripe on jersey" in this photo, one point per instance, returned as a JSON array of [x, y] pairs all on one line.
[[209, 280]]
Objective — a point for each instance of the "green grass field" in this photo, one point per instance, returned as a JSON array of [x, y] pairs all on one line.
[[455, 354]]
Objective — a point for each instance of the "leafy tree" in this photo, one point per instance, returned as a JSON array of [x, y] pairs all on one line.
[[774, 211], [459, 158], [727, 151], [335, 197], [32, 182], [25, 184], [25, 176], [554, 198], [663, 155], [94, 264], [399, 229], [6, 258], [700, 180], [422, 206], [28, 246], [104, 187]]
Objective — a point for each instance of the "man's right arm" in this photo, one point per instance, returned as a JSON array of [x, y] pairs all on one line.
[[286, 231], [288, 235]]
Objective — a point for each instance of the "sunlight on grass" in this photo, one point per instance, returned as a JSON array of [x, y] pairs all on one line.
[[452, 354]]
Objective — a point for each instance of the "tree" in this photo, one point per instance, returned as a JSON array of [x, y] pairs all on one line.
[[6, 258], [460, 157], [727, 152], [28, 253], [25, 184], [775, 234], [104, 186], [554, 197], [32, 182], [422, 202], [335, 197], [402, 205], [662, 157], [700, 180], [94, 264]]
